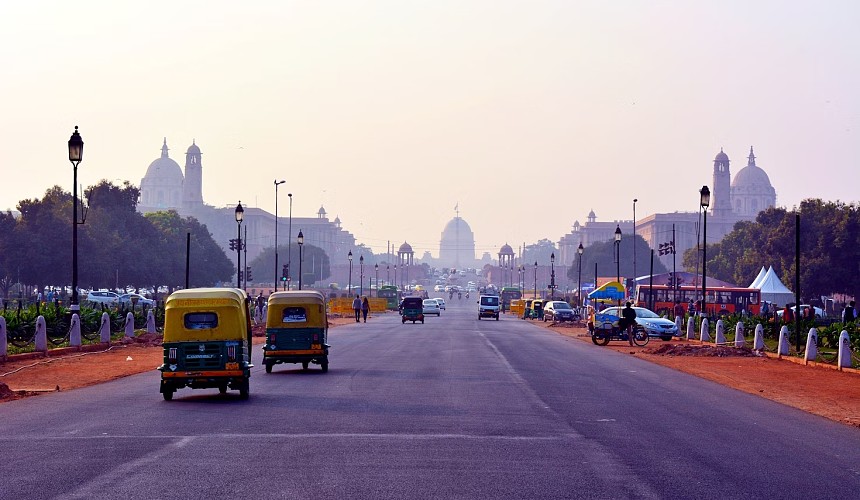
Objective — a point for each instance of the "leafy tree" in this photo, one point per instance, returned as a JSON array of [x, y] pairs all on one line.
[[603, 254], [316, 266], [539, 252]]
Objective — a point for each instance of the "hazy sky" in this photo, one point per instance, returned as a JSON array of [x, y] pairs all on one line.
[[389, 113]]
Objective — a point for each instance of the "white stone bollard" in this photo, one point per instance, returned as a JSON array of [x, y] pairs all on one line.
[[129, 325], [782, 349], [75, 331], [844, 350], [720, 333], [811, 346], [678, 324], [4, 346], [704, 334], [691, 328], [150, 322], [740, 341], [758, 343], [41, 334], [104, 329]]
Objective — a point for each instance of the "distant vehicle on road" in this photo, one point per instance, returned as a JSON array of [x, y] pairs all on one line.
[[488, 307], [103, 297], [653, 324], [560, 311], [430, 306], [129, 299]]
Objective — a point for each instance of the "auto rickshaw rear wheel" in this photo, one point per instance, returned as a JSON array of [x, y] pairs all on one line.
[[305, 365], [268, 367], [168, 395], [324, 366], [244, 390], [222, 389]]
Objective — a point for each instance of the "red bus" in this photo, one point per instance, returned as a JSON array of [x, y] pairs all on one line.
[[720, 301]]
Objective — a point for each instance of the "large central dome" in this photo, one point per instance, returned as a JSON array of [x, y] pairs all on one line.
[[457, 246]]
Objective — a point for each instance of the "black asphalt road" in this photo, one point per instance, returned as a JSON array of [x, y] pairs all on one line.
[[453, 408]]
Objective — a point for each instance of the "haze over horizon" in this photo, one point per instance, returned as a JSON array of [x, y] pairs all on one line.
[[389, 113]]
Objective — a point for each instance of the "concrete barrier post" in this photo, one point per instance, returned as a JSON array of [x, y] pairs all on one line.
[[782, 349], [104, 329], [75, 331], [758, 343], [129, 325], [811, 346], [678, 324], [740, 341], [844, 350], [691, 328], [704, 333], [4, 346], [150, 322], [720, 333], [41, 334]]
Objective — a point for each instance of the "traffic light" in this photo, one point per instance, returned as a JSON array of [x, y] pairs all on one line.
[[248, 273], [240, 275], [233, 244], [284, 273]]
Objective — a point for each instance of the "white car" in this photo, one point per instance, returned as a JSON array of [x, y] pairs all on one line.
[[655, 325], [431, 307], [103, 297], [441, 302], [439, 288], [128, 300], [819, 313]]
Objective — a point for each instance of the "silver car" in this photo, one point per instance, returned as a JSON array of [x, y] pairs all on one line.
[[431, 307], [655, 325]]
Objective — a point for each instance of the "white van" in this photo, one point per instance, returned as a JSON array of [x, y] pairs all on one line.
[[488, 306]]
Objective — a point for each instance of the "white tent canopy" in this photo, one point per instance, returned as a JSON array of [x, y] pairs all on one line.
[[772, 289], [761, 274]]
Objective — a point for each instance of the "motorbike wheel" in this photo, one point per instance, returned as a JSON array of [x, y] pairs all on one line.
[[640, 337]]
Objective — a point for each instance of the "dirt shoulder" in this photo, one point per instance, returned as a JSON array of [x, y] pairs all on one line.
[[816, 389]]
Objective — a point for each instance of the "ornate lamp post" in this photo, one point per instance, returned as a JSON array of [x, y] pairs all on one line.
[[704, 201], [240, 214], [535, 295], [290, 241], [76, 154], [376, 268], [300, 239], [349, 287], [634, 238], [277, 183], [395, 277], [387, 275], [361, 275], [579, 251], [552, 276], [617, 257]]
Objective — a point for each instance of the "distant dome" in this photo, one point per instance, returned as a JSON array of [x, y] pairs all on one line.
[[405, 248], [592, 215], [193, 149], [506, 250], [721, 156], [164, 170], [457, 245], [752, 177], [321, 211]]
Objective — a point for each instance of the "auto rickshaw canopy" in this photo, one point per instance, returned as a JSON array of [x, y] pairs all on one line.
[[203, 314], [296, 309]]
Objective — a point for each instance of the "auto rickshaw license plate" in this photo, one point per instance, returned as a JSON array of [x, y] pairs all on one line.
[[316, 346], [231, 366]]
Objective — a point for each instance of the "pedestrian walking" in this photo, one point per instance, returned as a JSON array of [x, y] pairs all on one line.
[[356, 308], [678, 310], [849, 314], [365, 308], [787, 315]]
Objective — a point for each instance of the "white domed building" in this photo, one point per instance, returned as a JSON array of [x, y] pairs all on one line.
[[161, 187], [752, 191], [457, 246]]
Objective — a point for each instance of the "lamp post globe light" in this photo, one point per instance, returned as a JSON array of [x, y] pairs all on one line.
[[76, 154], [535, 294], [240, 214], [387, 276], [579, 251], [349, 285], [300, 239], [361, 275], [376, 268], [617, 257], [395, 277], [277, 183], [552, 276], [704, 201], [290, 241]]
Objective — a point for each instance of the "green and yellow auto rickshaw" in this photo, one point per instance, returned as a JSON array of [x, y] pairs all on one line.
[[207, 341], [296, 329], [412, 309]]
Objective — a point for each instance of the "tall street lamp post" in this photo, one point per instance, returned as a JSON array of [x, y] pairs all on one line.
[[376, 268], [277, 183], [240, 214], [704, 201], [634, 238], [579, 252], [76, 154], [387, 276], [300, 239], [617, 257], [535, 294], [361, 275], [395, 277], [349, 286], [290, 242], [552, 276]]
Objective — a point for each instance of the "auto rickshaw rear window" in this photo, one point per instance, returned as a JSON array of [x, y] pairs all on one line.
[[201, 320], [294, 315]]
